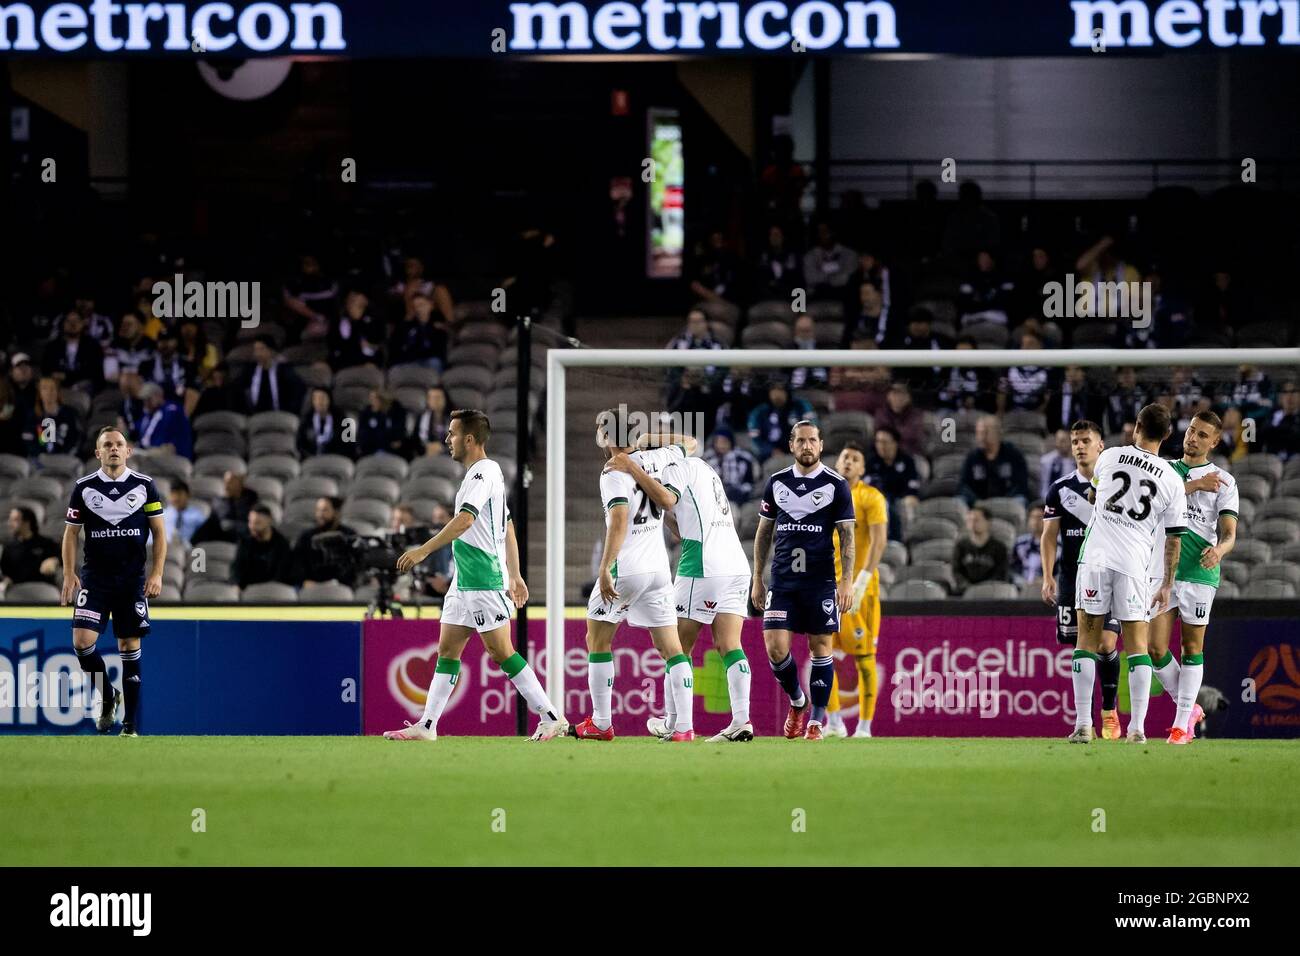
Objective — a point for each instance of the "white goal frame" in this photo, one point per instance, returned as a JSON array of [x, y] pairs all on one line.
[[560, 360]]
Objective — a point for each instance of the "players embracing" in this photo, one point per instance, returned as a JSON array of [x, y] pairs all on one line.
[[803, 507]]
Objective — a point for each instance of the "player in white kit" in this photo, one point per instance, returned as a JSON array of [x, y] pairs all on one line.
[[633, 582], [1137, 494], [1212, 506], [712, 584], [486, 585]]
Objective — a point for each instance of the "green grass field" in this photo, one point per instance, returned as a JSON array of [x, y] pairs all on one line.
[[366, 801]]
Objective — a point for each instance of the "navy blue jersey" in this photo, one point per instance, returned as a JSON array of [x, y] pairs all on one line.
[[116, 517], [805, 509], [1067, 503]]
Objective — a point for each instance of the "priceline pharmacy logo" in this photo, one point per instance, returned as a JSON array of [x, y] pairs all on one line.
[[77, 909]]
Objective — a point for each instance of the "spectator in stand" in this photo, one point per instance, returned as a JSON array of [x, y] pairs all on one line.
[[131, 349], [13, 421], [320, 432], [131, 408], [1040, 271], [75, 359], [828, 265], [1252, 393], [271, 385], [778, 272], [356, 338], [978, 557], [1170, 324], [199, 355], [805, 338], [716, 276], [870, 268], [312, 296], [166, 369], [1056, 463], [414, 284], [382, 426], [1026, 553], [1025, 386], [150, 324], [893, 471], [421, 339], [993, 469], [28, 555], [737, 467], [972, 226], [263, 554], [218, 394], [694, 396], [1282, 436], [164, 425], [860, 388], [741, 392], [438, 566], [181, 517], [57, 427], [987, 296], [229, 515], [1232, 442], [309, 564], [1124, 401], [968, 389], [1071, 399], [430, 434], [869, 321], [1222, 307], [770, 423], [22, 387], [98, 326], [696, 335], [919, 335], [906, 420]]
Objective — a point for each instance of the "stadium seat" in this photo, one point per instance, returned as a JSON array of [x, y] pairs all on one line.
[[987, 334], [953, 509], [443, 465], [829, 334], [272, 443], [219, 464], [1250, 552], [300, 512], [222, 421], [326, 591], [927, 529], [170, 594], [1288, 552], [917, 590], [366, 376], [1276, 571], [307, 353], [1260, 463], [940, 572], [284, 467], [1238, 572], [267, 487], [337, 467], [473, 310], [219, 443], [61, 466], [721, 311], [1004, 531], [480, 356], [173, 575], [947, 466], [310, 488], [206, 487], [945, 487], [161, 464], [381, 463], [264, 422], [1289, 488], [422, 508], [991, 591], [377, 487], [1246, 509], [1280, 508], [46, 489], [858, 424], [198, 591], [486, 333], [475, 377], [38, 507], [430, 486], [411, 398], [1009, 510], [767, 335], [1031, 444], [315, 375], [820, 399], [1023, 420], [771, 310], [1269, 590], [895, 554], [1277, 530], [1255, 487], [1228, 590], [369, 512], [270, 592], [1292, 468], [32, 592], [219, 551], [828, 310], [776, 462], [933, 549]]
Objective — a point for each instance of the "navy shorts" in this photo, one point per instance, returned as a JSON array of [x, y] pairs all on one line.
[[122, 602], [812, 610], [1067, 625]]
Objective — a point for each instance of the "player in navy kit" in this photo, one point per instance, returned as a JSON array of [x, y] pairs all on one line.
[[802, 508], [119, 508], [1068, 510]]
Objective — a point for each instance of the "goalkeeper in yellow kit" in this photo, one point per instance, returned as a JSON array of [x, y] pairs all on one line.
[[860, 627]]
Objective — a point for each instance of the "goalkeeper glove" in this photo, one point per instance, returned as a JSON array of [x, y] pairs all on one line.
[[860, 588]]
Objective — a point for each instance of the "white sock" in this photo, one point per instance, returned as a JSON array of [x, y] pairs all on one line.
[[1139, 692], [864, 726], [1084, 674], [1189, 685], [833, 719], [682, 686], [1169, 676], [440, 689], [526, 683], [600, 683], [738, 689], [670, 702]]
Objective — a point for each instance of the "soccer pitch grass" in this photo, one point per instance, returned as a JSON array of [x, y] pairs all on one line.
[[81, 800]]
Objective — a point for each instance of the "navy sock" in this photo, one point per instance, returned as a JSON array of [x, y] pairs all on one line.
[[92, 663], [1108, 677], [787, 676], [819, 686], [130, 685]]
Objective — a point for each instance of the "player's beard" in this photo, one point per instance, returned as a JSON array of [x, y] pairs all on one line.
[[806, 458]]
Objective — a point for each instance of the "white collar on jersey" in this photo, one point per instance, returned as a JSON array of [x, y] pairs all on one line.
[[126, 473], [812, 474]]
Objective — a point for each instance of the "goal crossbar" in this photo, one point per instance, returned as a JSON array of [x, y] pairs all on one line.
[[558, 360]]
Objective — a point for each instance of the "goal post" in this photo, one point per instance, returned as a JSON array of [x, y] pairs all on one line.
[[560, 360]]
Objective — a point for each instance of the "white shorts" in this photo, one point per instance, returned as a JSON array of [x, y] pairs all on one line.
[[1105, 592], [700, 599], [480, 610], [1193, 601], [644, 600]]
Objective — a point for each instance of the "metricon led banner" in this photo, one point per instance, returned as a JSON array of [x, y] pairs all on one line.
[[488, 28]]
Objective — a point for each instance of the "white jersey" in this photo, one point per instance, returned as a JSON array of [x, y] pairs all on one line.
[[710, 545], [480, 553], [1137, 495], [1204, 509], [643, 549]]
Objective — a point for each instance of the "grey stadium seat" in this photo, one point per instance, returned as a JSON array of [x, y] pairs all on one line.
[[32, 592], [378, 487], [335, 466], [479, 356], [430, 486], [490, 333], [1228, 590], [767, 335], [1254, 487], [63, 466], [38, 507], [300, 511], [443, 465], [221, 421], [1251, 552], [46, 489], [925, 529], [206, 487], [218, 443], [1276, 571], [948, 466], [991, 591], [1260, 463], [476, 377], [1009, 510], [220, 551], [283, 467], [365, 376], [1023, 420], [1280, 508], [771, 310], [273, 422], [272, 443], [951, 509], [1277, 530], [1003, 531], [351, 398], [410, 398], [159, 464], [917, 590], [267, 487], [939, 572], [934, 549], [198, 591], [1269, 590], [170, 594], [271, 591], [1238, 572], [218, 465], [310, 488], [1288, 552], [943, 487], [366, 511], [326, 591], [1289, 488], [895, 554]]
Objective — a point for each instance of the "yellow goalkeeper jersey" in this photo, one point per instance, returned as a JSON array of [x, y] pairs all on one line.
[[869, 507]]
